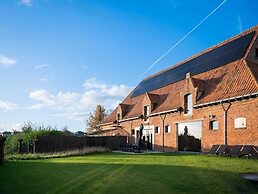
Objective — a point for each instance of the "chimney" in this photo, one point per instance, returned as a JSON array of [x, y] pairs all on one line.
[[187, 75]]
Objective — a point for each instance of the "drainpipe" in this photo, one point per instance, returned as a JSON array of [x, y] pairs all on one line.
[[226, 107], [131, 124], [163, 131]]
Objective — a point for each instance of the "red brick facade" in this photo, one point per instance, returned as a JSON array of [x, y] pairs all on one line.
[[227, 95]]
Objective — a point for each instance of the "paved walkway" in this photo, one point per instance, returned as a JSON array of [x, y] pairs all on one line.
[[156, 152], [143, 152]]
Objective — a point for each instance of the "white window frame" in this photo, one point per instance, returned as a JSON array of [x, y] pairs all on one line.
[[240, 122], [210, 126], [169, 128], [158, 130], [188, 106]]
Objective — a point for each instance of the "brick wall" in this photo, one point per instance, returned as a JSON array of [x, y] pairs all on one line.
[[244, 108]]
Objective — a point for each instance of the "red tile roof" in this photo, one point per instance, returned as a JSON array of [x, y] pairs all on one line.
[[234, 79]]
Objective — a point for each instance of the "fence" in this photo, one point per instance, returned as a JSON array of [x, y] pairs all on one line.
[[57, 143], [2, 140]]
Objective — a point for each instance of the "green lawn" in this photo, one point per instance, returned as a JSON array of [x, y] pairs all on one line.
[[119, 173]]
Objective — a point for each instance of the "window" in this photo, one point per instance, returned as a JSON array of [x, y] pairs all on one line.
[[188, 104], [167, 129], [145, 113], [240, 122], [256, 52], [118, 116], [157, 129], [132, 132], [214, 125]]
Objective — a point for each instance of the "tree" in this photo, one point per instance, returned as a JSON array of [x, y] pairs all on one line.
[[27, 127], [66, 131], [95, 118]]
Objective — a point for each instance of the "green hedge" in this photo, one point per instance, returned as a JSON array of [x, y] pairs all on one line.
[[11, 144]]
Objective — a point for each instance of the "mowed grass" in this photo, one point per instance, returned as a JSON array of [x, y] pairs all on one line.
[[124, 173]]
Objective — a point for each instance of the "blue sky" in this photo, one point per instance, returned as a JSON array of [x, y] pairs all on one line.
[[59, 58]]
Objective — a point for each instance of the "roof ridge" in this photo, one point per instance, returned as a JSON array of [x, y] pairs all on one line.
[[252, 29]]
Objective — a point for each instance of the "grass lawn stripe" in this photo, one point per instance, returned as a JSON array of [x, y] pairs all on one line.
[[121, 173]]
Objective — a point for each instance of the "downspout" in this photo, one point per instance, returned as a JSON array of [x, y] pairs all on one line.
[[226, 108], [163, 131], [131, 124]]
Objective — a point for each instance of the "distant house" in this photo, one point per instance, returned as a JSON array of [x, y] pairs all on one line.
[[6, 133], [79, 133], [210, 98]]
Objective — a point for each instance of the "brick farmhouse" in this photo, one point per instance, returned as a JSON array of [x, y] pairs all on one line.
[[210, 98]]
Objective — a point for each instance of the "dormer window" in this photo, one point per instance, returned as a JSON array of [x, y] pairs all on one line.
[[188, 103], [146, 112], [118, 116]]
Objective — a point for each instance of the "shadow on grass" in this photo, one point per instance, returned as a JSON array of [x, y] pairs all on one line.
[[44, 176]]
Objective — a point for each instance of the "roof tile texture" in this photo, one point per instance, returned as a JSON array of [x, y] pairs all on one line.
[[234, 79]]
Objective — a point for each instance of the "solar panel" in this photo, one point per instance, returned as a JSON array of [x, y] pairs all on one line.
[[217, 57]]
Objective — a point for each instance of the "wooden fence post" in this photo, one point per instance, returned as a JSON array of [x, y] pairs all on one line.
[[2, 140], [19, 146]]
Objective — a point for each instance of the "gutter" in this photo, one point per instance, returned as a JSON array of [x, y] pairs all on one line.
[[129, 119], [103, 124], [138, 117], [226, 100], [163, 112]]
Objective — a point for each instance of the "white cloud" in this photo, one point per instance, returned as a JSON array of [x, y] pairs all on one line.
[[93, 83], [26, 2], [10, 127], [77, 105], [113, 90], [7, 105], [35, 106], [41, 66], [119, 90], [6, 62], [43, 97], [67, 97]]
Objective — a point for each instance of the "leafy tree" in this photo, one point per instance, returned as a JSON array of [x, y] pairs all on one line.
[[95, 118]]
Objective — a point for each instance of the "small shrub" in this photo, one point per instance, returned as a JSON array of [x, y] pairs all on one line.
[[27, 136], [77, 152]]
